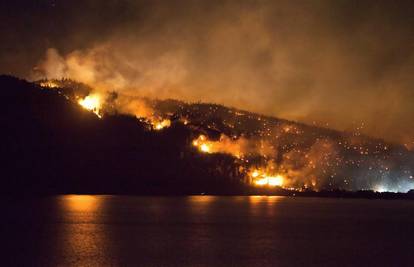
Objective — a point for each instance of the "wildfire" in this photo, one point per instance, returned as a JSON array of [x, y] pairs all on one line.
[[49, 84], [258, 176], [275, 180], [203, 144], [263, 179], [159, 125], [255, 174], [205, 148], [223, 145], [270, 155], [92, 103]]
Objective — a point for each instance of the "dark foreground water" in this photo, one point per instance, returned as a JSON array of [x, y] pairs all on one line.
[[85, 230]]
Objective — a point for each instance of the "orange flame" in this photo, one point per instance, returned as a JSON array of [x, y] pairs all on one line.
[[92, 103]]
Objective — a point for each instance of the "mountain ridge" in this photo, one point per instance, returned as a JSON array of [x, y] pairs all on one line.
[[240, 147]]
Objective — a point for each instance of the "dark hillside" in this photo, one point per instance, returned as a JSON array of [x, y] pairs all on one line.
[[51, 145]]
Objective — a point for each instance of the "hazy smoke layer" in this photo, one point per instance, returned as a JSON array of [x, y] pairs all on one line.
[[340, 62]]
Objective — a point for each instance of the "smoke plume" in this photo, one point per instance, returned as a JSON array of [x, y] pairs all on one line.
[[340, 63]]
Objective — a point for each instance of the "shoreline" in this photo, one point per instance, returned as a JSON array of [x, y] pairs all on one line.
[[310, 194]]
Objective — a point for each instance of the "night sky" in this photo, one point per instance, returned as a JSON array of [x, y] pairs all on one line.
[[343, 64]]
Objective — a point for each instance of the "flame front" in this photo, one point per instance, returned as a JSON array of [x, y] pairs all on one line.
[[49, 84], [263, 179], [92, 103], [259, 177], [224, 145]]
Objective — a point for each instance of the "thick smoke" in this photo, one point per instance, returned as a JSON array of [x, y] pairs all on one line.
[[336, 62]]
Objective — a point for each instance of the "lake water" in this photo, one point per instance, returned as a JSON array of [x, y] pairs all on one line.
[[82, 230]]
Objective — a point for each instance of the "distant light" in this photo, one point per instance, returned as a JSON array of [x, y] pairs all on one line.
[[380, 189]]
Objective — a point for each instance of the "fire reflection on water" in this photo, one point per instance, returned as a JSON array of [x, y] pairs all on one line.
[[90, 233], [83, 234], [264, 205], [81, 203]]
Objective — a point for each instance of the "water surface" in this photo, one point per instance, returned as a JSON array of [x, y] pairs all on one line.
[[82, 230]]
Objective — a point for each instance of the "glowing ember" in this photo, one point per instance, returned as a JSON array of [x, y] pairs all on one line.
[[49, 84], [223, 145], [159, 125], [203, 144], [184, 121], [92, 103], [255, 174]]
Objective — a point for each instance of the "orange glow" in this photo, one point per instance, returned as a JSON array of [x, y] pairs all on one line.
[[49, 84], [82, 203], [223, 145], [203, 144], [92, 103], [205, 148], [275, 180], [159, 125], [261, 178], [75, 236], [261, 181]]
